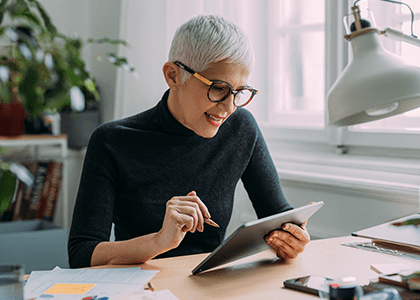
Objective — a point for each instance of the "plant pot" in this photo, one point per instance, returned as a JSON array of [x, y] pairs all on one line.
[[79, 126], [12, 117], [36, 126]]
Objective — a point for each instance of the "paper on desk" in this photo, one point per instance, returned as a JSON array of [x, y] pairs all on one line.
[[389, 269], [111, 281]]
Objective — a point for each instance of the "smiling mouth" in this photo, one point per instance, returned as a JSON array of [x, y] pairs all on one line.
[[214, 120]]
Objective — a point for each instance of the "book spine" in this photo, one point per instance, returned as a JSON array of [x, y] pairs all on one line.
[[51, 203], [38, 184], [18, 206], [27, 193], [46, 189]]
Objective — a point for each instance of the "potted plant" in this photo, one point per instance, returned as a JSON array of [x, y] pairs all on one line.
[[41, 70]]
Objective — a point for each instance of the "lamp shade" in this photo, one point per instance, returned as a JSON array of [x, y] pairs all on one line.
[[376, 84]]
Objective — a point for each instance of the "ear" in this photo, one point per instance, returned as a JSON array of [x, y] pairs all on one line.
[[172, 74]]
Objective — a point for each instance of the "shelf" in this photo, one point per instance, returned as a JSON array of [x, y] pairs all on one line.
[[40, 140]]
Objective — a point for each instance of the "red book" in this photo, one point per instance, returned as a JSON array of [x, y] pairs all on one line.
[[46, 189], [51, 202]]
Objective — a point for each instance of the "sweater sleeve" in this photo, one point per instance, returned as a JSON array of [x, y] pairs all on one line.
[[261, 179], [93, 211]]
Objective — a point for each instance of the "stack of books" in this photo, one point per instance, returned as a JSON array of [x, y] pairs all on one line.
[[20, 201]]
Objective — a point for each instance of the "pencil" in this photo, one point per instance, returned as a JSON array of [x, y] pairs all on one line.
[[211, 222]]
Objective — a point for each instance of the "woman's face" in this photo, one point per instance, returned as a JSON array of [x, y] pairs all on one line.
[[194, 110]]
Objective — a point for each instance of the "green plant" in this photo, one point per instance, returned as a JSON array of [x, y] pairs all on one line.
[[39, 66]]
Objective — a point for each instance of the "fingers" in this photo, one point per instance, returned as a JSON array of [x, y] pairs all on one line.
[[299, 232], [200, 203], [289, 242], [189, 212]]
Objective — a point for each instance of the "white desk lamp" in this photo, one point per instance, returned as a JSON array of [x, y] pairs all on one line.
[[376, 84]]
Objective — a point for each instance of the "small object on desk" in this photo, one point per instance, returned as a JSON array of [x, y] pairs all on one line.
[[149, 286], [211, 222], [345, 288], [388, 269], [386, 248], [408, 236], [69, 289], [312, 284], [415, 222], [385, 294]]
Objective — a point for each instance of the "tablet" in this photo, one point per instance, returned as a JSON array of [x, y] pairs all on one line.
[[249, 239]]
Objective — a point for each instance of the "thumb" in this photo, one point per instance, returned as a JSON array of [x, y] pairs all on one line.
[[192, 193]]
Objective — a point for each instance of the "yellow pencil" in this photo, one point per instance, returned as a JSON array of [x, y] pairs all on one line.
[[211, 222]]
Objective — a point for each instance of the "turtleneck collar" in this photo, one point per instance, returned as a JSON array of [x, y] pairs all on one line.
[[169, 122]]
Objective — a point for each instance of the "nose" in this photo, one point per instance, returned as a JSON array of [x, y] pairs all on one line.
[[227, 104]]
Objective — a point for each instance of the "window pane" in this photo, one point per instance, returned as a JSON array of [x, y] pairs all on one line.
[[414, 4], [299, 64], [301, 12], [301, 88]]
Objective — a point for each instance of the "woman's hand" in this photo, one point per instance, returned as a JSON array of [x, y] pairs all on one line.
[[183, 214], [290, 241]]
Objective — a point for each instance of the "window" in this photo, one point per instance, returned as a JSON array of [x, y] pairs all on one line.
[[309, 54], [297, 43], [300, 51]]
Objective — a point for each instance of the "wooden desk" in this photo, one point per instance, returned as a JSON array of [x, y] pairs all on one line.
[[261, 276]]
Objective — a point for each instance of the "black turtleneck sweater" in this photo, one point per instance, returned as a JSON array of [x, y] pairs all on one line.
[[133, 166]]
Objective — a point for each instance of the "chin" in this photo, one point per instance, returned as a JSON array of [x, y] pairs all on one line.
[[208, 134]]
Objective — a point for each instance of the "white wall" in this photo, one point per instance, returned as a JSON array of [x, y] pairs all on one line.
[[91, 19], [147, 37]]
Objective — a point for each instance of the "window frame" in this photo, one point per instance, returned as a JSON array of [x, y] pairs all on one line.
[[337, 53]]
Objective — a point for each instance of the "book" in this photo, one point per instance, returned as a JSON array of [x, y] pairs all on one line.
[[37, 201], [52, 199], [394, 234], [18, 204], [39, 181], [32, 166], [45, 191]]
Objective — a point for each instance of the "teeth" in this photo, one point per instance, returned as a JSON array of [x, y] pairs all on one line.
[[211, 117]]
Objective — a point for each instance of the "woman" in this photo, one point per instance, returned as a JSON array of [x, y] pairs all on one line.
[[158, 175]]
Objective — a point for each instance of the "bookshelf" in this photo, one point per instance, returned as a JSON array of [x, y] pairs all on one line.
[[35, 142]]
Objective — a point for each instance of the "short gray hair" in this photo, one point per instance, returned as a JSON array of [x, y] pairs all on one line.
[[207, 39]]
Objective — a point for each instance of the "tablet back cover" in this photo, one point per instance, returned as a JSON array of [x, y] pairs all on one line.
[[249, 239]]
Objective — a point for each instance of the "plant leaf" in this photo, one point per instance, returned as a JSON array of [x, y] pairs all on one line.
[[108, 41], [46, 19], [119, 62], [2, 9]]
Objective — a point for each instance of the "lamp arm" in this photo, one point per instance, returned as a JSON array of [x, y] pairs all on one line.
[[402, 3], [399, 36]]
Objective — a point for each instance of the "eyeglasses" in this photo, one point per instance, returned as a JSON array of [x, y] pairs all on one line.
[[220, 91]]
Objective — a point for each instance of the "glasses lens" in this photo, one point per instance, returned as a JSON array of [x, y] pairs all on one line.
[[243, 97], [219, 91]]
